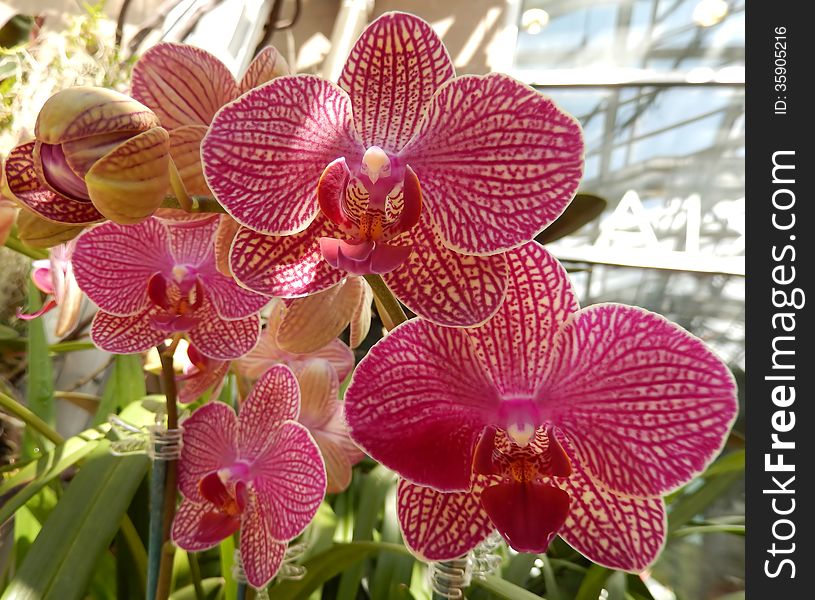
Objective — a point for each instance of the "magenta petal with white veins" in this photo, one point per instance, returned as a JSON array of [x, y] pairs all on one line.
[[391, 74], [113, 263], [261, 554], [210, 444], [284, 266], [125, 335], [264, 152], [497, 160], [445, 287], [515, 345], [290, 480], [438, 525], [613, 530], [223, 339], [418, 403], [197, 527], [275, 398], [626, 379]]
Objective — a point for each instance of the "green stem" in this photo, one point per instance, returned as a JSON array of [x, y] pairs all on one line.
[[171, 479], [29, 418], [13, 243], [200, 204], [137, 551], [195, 572], [72, 346], [386, 301]]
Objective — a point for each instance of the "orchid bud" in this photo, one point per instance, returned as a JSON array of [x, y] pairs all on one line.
[[95, 145], [35, 231]]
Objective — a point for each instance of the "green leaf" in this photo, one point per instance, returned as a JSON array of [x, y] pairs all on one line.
[[227, 552], [26, 529], [593, 583], [505, 590], [212, 588], [124, 385], [393, 573], [34, 476], [637, 588], [552, 590], [687, 506], [375, 486], [518, 568], [582, 210], [322, 567], [39, 384], [61, 561]]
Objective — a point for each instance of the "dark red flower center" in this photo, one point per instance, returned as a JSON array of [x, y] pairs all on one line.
[[524, 505], [177, 299], [372, 205]]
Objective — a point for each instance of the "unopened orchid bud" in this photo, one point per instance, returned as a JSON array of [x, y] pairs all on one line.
[[98, 154], [35, 231]]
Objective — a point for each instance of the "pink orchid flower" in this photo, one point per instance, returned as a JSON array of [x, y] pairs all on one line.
[[269, 352], [546, 420], [321, 412], [201, 374], [55, 277], [402, 170], [158, 278], [259, 472]]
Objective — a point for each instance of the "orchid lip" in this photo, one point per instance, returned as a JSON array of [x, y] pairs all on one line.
[[60, 175]]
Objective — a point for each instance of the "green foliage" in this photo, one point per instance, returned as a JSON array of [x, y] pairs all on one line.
[[40, 387], [63, 557]]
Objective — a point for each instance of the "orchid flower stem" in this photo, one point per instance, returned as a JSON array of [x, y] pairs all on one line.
[[198, 204], [154, 541], [386, 302], [12, 243], [179, 189], [171, 478], [30, 419], [195, 572]]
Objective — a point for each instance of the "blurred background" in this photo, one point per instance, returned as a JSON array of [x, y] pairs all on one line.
[[658, 86]]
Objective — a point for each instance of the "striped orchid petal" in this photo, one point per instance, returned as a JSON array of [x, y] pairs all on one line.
[[125, 335], [184, 85], [313, 322], [267, 65], [445, 287], [391, 74], [269, 352], [613, 530], [418, 403], [209, 375], [264, 152], [515, 345], [284, 266], [113, 264], [275, 398], [624, 378], [25, 186], [185, 150], [322, 414], [196, 527], [210, 443], [438, 525], [224, 339], [290, 481], [261, 554], [497, 161]]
